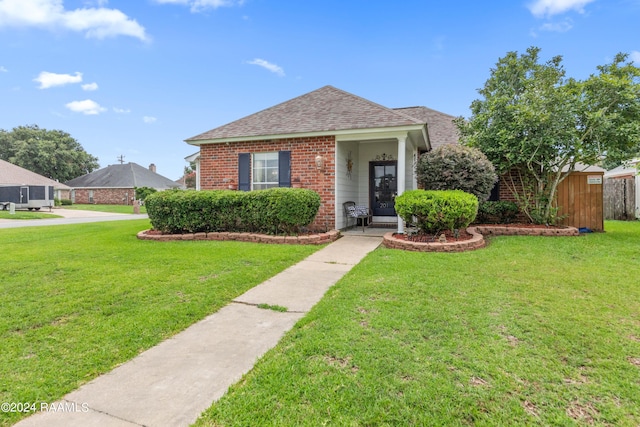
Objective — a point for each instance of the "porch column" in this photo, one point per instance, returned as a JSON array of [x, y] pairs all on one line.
[[197, 162], [400, 173]]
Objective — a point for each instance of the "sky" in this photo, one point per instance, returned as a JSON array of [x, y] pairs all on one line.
[[135, 78]]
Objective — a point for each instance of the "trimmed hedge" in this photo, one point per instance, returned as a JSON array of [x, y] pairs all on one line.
[[434, 210], [272, 211]]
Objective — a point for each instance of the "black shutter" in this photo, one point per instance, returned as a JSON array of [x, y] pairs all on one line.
[[244, 171], [284, 169]]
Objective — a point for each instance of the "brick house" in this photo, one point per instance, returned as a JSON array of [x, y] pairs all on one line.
[[115, 184], [342, 146]]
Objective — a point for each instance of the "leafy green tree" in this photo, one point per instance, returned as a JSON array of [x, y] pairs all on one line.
[[143, 192], [190, 175], [538, 125], [51, 153], [456, 167]]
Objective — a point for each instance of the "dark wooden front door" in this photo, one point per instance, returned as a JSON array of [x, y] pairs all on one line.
[[383, 185]]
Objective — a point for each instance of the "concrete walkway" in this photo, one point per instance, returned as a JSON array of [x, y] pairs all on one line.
[[173, 383]]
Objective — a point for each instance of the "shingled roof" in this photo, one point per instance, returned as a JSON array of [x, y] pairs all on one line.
[[128, 175], [442, 130], [324, 110], [11, 174]]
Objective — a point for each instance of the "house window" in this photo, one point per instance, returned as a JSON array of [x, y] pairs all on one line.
[[265, 171], [90, 196]]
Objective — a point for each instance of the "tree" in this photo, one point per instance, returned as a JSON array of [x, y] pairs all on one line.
[[456, 167], [535, 125], [51, 153], [190, 175]]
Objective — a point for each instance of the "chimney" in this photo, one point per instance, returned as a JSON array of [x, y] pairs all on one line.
[[152, 167]]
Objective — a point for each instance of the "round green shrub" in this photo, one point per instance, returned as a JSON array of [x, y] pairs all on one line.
[[434, 211], [271, 211], [456, 167]]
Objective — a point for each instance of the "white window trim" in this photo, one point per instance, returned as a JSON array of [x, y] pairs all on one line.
[[266, 184]]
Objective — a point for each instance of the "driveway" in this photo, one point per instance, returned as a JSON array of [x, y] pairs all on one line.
[[69, 216]]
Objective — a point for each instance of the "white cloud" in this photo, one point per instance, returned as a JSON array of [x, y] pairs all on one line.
[[90, 86], [268, 66], [87, 107], [200, 5], [3, 70], [121, 110], [50, 14], [149, 119], [558, 27], [542, 8], [635, 57], [47, 79]]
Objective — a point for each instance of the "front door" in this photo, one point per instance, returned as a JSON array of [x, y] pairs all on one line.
[[24, 194], [383, 185]]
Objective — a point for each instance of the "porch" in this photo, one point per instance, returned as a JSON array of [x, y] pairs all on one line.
[[371, 170]]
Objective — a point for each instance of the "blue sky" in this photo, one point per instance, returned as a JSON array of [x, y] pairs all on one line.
[[137, 77]]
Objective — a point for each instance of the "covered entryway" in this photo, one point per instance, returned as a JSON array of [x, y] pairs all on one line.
[[373, 169]]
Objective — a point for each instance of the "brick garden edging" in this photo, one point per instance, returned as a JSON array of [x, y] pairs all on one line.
[[505, 230], [477, 241], [307, 239]]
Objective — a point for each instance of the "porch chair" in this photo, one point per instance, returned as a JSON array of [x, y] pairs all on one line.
[[356, 212]]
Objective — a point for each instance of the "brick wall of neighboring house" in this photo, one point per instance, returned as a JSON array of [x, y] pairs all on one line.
[[507, 181], [105, 196], [219, 168]]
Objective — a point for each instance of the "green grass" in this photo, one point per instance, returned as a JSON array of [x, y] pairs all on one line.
[[77, 300], [126, 209], [27, 215], [528, 331], [279, 308]]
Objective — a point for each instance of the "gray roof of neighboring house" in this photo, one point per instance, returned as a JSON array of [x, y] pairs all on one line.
[[127, 175], [440, 126], [11, 174], [325, 109], [622, 170]]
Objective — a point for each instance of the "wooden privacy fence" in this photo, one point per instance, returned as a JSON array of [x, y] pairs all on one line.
[[619, 198], [580, 200]]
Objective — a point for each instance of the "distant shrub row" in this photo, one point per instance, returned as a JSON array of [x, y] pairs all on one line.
[[62, 202], [273, 211], [434, 211]]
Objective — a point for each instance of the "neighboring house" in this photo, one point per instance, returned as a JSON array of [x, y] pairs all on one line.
[[626, 170], [15, 176], [344, 147], [116, 184]]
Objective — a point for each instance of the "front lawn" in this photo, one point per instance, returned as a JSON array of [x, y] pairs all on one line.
[[27, 215], [528, 331], [77, 300], [126, 209]]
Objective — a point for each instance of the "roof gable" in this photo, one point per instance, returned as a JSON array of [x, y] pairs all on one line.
[[323, 110], [11, 174], [442, 130], [126, 175]]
